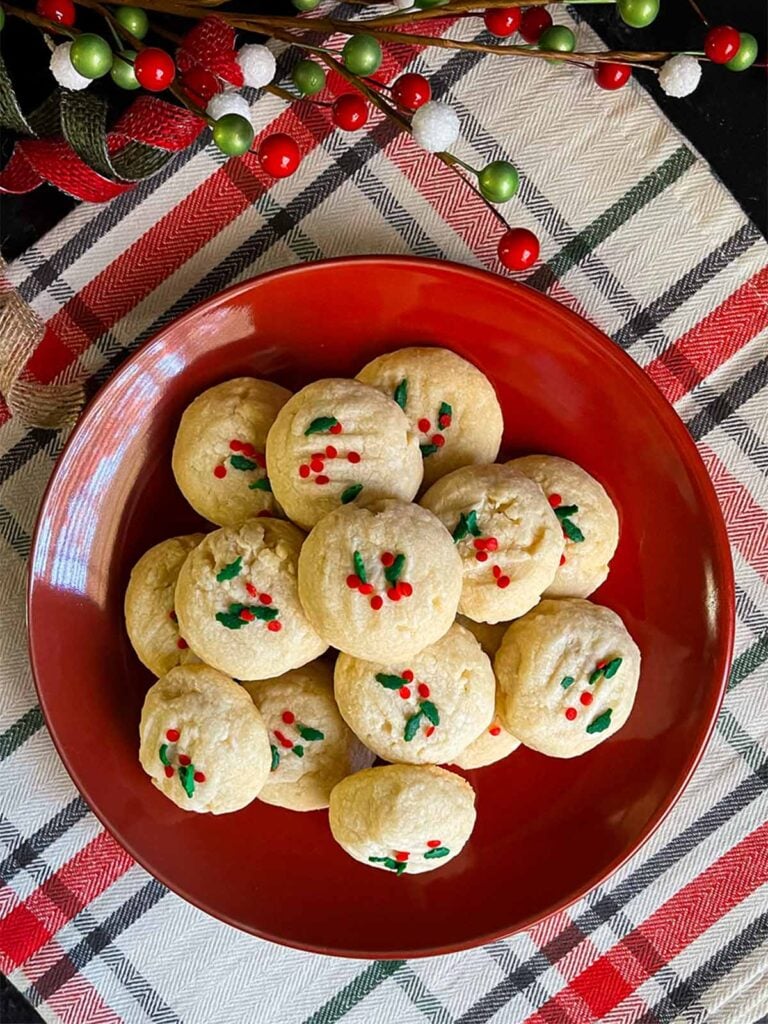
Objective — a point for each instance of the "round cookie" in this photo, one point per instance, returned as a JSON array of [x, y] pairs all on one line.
[[238, 605], [568, 674], [337, 442], [218, 456], [150, 618], [588, 519], [380, 582], [488, 634], [203, 741], [492, 745], [406, 819], [312, 748], [509, 538], [425, 710], [449, 402]]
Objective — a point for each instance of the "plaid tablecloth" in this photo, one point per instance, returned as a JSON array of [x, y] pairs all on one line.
[[638, 236]]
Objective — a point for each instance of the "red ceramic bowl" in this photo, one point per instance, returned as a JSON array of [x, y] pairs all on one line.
[[547, 830]]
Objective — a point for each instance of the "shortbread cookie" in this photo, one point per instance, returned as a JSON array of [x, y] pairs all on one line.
[[380, 582], [492, 745], [488, 634], [150, 617], [338, 442], [509, 538], [238, 605], [218, 457], [449, 402], [588, 519], [406, 819], [312, 748], [424, 710], [568, 674], [203, 741]]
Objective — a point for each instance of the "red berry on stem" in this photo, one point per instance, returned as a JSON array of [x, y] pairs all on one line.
[[220, 472], [353, 582], [555, 500], [185, 759], [279, 155], [393, 594], [503, 21], [404, 692], [533, 22], [154, 69], [437, 440], [60, 11], [200, 85], [424, 425], [350, 112], [408, 675], [722, 43], [405, 588], [612, 76], [519, 247], [401, 855], [366, 588], [387, 559], [411, 91], [246, 615], [335, 429]]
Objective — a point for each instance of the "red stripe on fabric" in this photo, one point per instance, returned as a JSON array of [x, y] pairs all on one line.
[[747, 522], [21, 934], [50, 358], [713, 340], [683, 918]]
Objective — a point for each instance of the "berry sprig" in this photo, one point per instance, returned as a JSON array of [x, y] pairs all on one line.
[[564, 513], [427, 710], [245, 459], [239, 614], [399, 860], [393, 569], [468, 526], [436, 440], [603, 669], [315, 468], [168, 754], [305, 732]]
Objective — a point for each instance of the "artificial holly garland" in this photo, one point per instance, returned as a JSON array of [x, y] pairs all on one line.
[[67, 143]]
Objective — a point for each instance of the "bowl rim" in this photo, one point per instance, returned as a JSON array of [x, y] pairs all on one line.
[[679, 438]]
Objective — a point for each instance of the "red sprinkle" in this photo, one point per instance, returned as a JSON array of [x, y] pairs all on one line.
[[404, 692], [283, 740], [288, 717], [220, 472], [424, 425], [335, 429], [407, 676], [169, 771], [496, 571], [423, 690], [428, 732], [331, 452], [445, 420], [401, 855], [570, 714], [366, 588], [481, 556], [586, 699], [236, 446], [393, 594], [432, 843], [259, 459], [304, 472], [322, 479], [503, 581], [172, 735], [405, 588], [199, 777], [562, 559], [251, 590], [249, 450], [376, 602], [182, 644], [247, 615], [491, 544], [274, 626], [264, 514], [172, 616], [387, 559], [601, 664], [480, 543], [353, 457], [437, 440], [555, 500], [495, 730], [353, 581], [317, 465], [266, 599], [185, 759]]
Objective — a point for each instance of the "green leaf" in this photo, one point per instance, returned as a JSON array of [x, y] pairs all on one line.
[[320, 425], [565, 511], [427, 450], [444, 410], [298, 750], [600, 723], [240, 462], [595, 676], [472, 525], [262, 484], [461, 529], [393, 572], [439, 851], [567, 681], [571, 531], [230, 571], [401, 393], [389, 682], [265, 614], [187, 776], [430, 712], [275, 757], [357, 558], [164, 754], [400, 867], [612, 668], [308, 733], [388, 862], [229, 620], [350, 493], [235, 608], [412, 727]]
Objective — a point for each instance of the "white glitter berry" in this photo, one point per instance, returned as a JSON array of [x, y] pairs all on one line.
[[63, 70], [228, 102], [257, 63], [680, 75], [435, 126]]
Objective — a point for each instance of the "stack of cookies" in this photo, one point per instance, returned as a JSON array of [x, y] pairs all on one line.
[[368, 516]]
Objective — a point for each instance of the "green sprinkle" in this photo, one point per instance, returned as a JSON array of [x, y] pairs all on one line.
[[444, 410], [474, 529], [439, 851], [298, 750], [393, 572], [595, 676], [275, 757], [400, 867], [308, 733], [357, 558], [601, 722], [430, 712], [389, 682], [164, 754], [262, 484], [350, 493], [401, 393], [427, 449], [567, 681], [230, 571], [571, 531], [320, 425], [412, 727], [236, 608], [265, 614], [229, 620], [388, 862], [187, 777], [612, 668], [240, 462], [566, 511], [461, 529]]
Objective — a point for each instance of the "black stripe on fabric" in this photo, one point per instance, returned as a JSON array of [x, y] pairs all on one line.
[[14, 534], [726, 403], [28, 849], [25, 449]]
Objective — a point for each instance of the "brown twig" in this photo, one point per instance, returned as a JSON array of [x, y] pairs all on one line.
[[699, 13]]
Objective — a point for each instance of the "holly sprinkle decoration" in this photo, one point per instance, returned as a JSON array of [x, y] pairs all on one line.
[[174, 762], [398, 861], [245, 459], [239, 614], [395, 589], [305, 732], [603, 669], [406, 688], [436, 440], [565, 513], [315, 469]]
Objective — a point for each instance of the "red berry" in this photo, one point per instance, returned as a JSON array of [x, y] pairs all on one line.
[[433, 843], [185, 759], [154, 69], [424, 425], [408, 676], [258, 458], [182, 644], [438, 440], [248, 450], [172, 616], [411, 91], [401, 856], [562, 559], [555, 500], [428, 731], [304, 471], [274, 626], [60, 11], [251, 590], [350, 112], [353, 581], [246, 615], [445, 421], [172, 735], [393, 594], [481, 556], [503, 21], [169, 771], [601, 664], [288, 717], [533, 22], [331, 452], [491, 544], [586, 699], [480, 543], [423, 690], [266, 599], [376, 602], [335, 429], [353, 457], [503, 582], [236, 446], [317, 465], [387, 559], [199, 777], [220, 472], [518, 247], [283, 740], [322, 479], [721, 43], [404, 692], [279, 155], [612, 76], [495, 730], [200, 85], [405, 588], [366, 588], [570, 714], [496, 572]]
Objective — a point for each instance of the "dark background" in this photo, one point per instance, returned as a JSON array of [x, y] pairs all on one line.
[[725, 119]]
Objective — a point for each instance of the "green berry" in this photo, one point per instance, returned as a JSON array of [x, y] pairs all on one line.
[[133, 20], [91, 55], [122, 72], [637, 13], [746, 55], [557, 39], [233, 134], [362, 55], [498, 181], [305, 5], [308, 77]]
